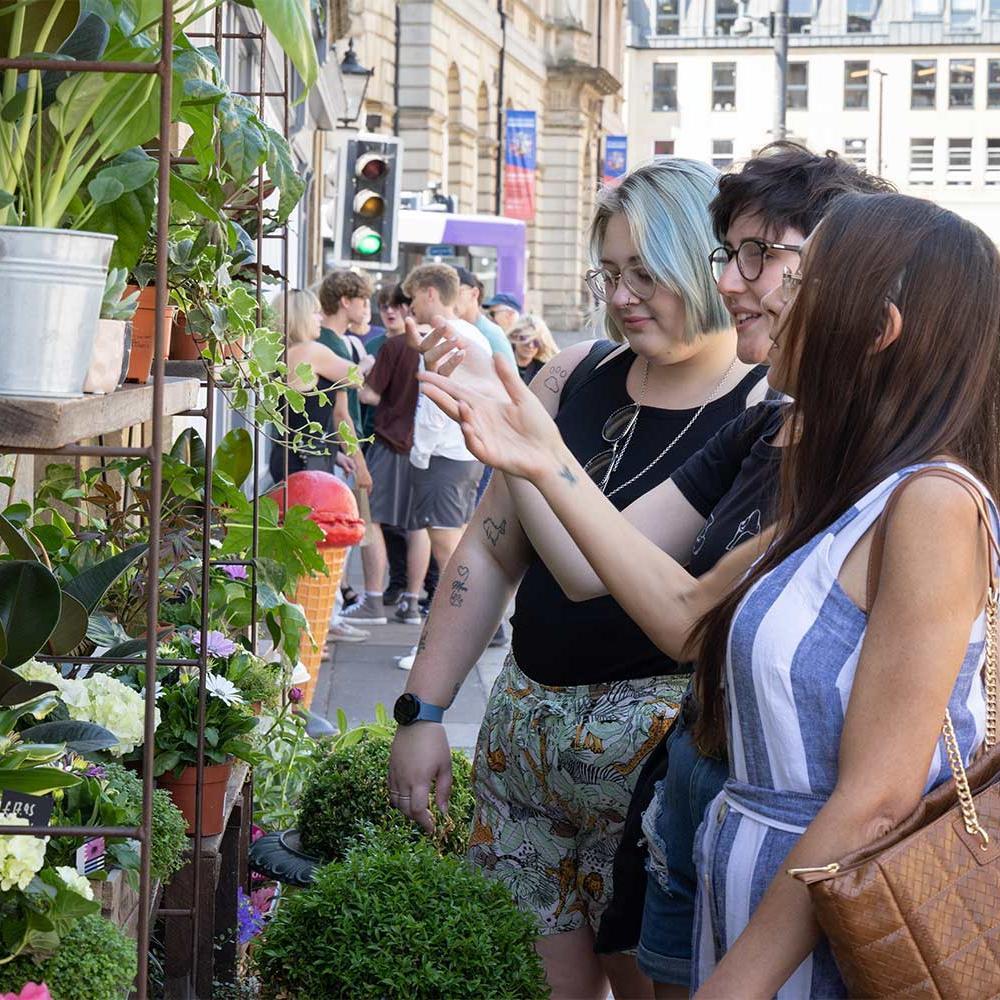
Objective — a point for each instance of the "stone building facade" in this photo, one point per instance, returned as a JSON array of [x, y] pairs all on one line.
[[446, 69]]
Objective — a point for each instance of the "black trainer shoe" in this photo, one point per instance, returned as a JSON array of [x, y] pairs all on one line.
[[408, 611], [391, 596]]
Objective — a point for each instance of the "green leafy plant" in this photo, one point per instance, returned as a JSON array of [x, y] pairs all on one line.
[[94, 961], [226, 728], [400, 922], [280, 777], [348, 790], [169, 835]]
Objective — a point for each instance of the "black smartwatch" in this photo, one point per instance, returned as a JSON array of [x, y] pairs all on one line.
[[409, 709]]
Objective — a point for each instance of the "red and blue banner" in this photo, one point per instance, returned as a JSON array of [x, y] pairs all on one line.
[[520, 161], [615, 159]]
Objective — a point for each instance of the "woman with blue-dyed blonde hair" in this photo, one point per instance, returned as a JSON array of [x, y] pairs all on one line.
[[584, 696]]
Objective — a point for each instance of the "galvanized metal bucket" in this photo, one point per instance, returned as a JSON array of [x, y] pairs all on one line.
[[51, 286]]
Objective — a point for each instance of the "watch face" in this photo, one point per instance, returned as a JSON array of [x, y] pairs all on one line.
[[407, 709]]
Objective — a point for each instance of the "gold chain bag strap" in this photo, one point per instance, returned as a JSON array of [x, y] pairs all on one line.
[[916, 913]]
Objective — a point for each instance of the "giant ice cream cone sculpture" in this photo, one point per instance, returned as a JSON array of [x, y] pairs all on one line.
[[335, 510]]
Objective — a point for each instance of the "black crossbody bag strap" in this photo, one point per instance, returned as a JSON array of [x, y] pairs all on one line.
[[585, 370]]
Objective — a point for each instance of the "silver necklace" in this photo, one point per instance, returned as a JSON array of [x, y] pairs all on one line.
[[685, 429]]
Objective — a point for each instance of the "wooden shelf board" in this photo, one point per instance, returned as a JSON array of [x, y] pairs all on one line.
[[51, 423]]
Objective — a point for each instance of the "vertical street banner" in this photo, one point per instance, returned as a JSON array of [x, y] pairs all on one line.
[[520, 160], [615, 159]]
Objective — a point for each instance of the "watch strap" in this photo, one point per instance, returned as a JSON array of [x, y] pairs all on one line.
[[429, 713]]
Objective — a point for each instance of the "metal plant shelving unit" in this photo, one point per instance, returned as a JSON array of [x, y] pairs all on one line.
[[55, 428]]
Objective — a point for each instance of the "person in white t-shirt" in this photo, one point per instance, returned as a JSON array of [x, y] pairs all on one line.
[[445, 473]]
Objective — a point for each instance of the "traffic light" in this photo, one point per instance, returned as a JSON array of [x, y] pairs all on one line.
[[366, 233]]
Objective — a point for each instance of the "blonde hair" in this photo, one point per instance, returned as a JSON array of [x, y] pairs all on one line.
[[535, 325], [295, 311], [439, 276]]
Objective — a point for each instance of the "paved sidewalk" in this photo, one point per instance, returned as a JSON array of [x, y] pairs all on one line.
[[357, 675]]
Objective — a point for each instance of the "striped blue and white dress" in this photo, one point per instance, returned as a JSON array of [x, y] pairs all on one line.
[[793, 650]]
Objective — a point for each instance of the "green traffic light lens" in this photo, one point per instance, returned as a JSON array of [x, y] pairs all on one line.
[[369, 244]]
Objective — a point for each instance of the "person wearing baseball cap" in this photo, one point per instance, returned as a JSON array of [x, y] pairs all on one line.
[[504, 310]]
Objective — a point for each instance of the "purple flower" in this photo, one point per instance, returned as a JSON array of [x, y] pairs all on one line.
[[295, 695], [95, 771], [235, 572], [249, 922], [217, 644]]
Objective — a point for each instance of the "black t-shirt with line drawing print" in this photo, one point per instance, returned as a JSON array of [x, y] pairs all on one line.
[[733, 482]]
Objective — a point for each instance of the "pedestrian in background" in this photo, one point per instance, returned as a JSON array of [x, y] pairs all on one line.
[[533, 346], [503, 309], [469, 308]]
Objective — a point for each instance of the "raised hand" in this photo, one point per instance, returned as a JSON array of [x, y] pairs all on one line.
[[514, 433], [448, 352]]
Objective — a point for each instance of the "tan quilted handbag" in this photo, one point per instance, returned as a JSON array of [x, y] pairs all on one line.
[[917, 913]]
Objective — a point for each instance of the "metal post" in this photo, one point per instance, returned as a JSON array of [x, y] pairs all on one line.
[[780, 33], [878, 144]]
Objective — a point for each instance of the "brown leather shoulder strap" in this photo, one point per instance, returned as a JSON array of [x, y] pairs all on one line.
[[878, 539]]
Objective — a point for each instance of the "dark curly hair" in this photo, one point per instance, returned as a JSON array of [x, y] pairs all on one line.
[[785, 185]]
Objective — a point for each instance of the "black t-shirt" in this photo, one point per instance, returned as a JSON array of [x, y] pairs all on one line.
[[530, 370], [560, 642], [733, 482]]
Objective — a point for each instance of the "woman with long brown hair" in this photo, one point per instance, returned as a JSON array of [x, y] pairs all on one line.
[[890, 346]]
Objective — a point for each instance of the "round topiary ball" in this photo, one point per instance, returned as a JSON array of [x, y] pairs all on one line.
[[95, 961], [402, 922], [348, 792]]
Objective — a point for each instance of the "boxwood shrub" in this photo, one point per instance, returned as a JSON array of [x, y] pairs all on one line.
[[95, 961], [348, 791], [396, 920]]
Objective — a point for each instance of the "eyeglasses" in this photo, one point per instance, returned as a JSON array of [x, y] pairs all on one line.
[[617, 431], [791, 281], [603, 283], [525, 341], [750, 256]]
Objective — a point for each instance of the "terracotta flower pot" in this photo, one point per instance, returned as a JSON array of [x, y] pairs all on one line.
[[143, 333], [183, 346], [213, 795]]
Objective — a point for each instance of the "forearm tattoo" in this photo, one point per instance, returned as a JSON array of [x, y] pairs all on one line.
[[493, 531], [459, 586], [554, 380], [566, 473]]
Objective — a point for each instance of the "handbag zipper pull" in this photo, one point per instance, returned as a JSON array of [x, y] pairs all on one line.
[[830, 869]]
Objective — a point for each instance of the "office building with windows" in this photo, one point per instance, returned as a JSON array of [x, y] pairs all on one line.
[[908, 88]]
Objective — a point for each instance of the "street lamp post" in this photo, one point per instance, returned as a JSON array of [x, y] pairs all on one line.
[[777, 25], [354, 78], [780, 32], [878, 144]]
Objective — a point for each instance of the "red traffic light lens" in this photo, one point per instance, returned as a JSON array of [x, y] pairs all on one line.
[[372, 166]]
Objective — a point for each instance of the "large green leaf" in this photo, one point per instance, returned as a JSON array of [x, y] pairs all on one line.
[[93, 583], [36, 780], [282, 173], [16, 691], [17, 545], [72, 627], [83, 737], [189, 447], [290, 22], [244, 144], [30, 603], [234, 456]]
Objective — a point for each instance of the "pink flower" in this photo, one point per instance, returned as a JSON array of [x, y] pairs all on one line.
[[295, 695], [30, 991], [256, 832], [235, 572]]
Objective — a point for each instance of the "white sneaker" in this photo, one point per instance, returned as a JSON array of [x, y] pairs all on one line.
[[341, 631], [366, 612], [406, 662]]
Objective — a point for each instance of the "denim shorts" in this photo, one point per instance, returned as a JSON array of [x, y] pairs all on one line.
[[669, 826]]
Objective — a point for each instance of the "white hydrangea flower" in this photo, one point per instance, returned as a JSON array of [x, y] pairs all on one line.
[[21, 858], [223, 688], [113, 705], [77, 882]]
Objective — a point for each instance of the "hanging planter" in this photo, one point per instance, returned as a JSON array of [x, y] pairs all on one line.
[[51, 286]]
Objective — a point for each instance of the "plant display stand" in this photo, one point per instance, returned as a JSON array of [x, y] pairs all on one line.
[[120, 902], [223, 858]]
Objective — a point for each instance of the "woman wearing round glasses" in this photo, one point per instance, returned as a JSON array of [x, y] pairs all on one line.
[[533, 346], [584, 695]]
